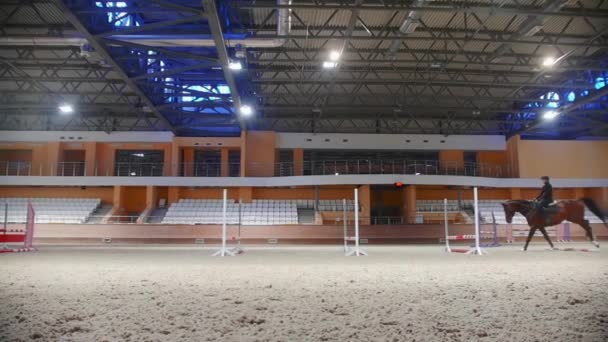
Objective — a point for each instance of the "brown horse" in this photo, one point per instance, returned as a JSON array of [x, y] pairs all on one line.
[[568, 210]]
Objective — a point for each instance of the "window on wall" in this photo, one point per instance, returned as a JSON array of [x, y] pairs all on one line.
[[470, 157], [207, 163], [118, 18], [203, 94], [234, 160], [139, 163]]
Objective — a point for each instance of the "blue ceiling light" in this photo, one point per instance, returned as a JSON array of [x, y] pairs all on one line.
[[600, 82], [571, 96]]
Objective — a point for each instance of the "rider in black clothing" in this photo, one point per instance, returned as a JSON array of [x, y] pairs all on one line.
[[546, 195]]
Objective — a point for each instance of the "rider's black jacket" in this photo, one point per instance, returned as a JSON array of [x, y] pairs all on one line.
[[546, 195]]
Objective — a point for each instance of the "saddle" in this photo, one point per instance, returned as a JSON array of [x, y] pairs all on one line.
[[551, 208]]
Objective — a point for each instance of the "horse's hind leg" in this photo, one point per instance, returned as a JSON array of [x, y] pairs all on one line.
[[530, 235], [587, 227], [546, 236]]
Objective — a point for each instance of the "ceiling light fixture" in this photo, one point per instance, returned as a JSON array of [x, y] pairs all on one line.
[[329, 65], [66, 109], [550, 115], [236, 66], [549, 62], [334, 55], [246, 110]]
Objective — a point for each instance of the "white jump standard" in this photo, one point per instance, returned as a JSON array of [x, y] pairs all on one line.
[[225, 250], [355, 251], [476, 249]]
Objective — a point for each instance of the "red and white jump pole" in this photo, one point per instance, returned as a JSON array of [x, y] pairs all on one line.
[[28, 238]]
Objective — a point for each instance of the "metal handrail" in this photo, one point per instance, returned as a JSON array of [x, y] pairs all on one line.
[[278, 169]]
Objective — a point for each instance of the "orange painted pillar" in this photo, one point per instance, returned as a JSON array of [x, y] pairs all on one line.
[[188, 162], [243, 153], [260, 153], [151, 203], [225, 166], [246, 194], [90, 156], [515, 193], [151, 196], [175, 159], [117, 201], [172, 195], [513, 155], [366, 204], [298, 162], [168, 161], [409, 202], [53, 150], [451, 162]]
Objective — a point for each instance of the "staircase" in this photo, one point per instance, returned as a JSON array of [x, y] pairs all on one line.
[[98, 215], [306, 216], [157, 215], [468, 216]]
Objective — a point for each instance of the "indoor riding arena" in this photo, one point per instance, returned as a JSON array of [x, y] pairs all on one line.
[[289, 170]]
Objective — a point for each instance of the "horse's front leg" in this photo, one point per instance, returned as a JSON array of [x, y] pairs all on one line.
[[530, 235], [546, 236]]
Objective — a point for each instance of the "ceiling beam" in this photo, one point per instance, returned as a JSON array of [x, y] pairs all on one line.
[[220, 45], [453, 83], [101, 49], [443, 6]]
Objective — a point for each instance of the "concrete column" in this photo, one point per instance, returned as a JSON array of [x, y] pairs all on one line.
[[53, 150], [172, 195], [451, 161], [298, 162], [90, 158], [168, 161], [225, 166], [409, 201], [366, 204], [151, 196], [188, 161], [117, 202], [246, 194], [243, 154], [151, 203], [174, 158], [515, 193]]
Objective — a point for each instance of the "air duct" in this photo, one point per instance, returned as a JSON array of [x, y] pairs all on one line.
[[283, 29], [42, 41], [409, 26]]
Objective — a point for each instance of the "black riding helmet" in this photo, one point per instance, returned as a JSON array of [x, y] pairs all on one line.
[[545, 178]]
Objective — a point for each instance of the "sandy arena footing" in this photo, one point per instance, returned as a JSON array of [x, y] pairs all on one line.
[[303, 293]]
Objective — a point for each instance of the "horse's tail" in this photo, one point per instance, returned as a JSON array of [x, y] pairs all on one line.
[[592, 206]]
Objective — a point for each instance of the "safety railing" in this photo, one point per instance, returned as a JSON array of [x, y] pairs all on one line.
[[15, 168], [210, 170], [280, 169], [70, 169], [139, 169]]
